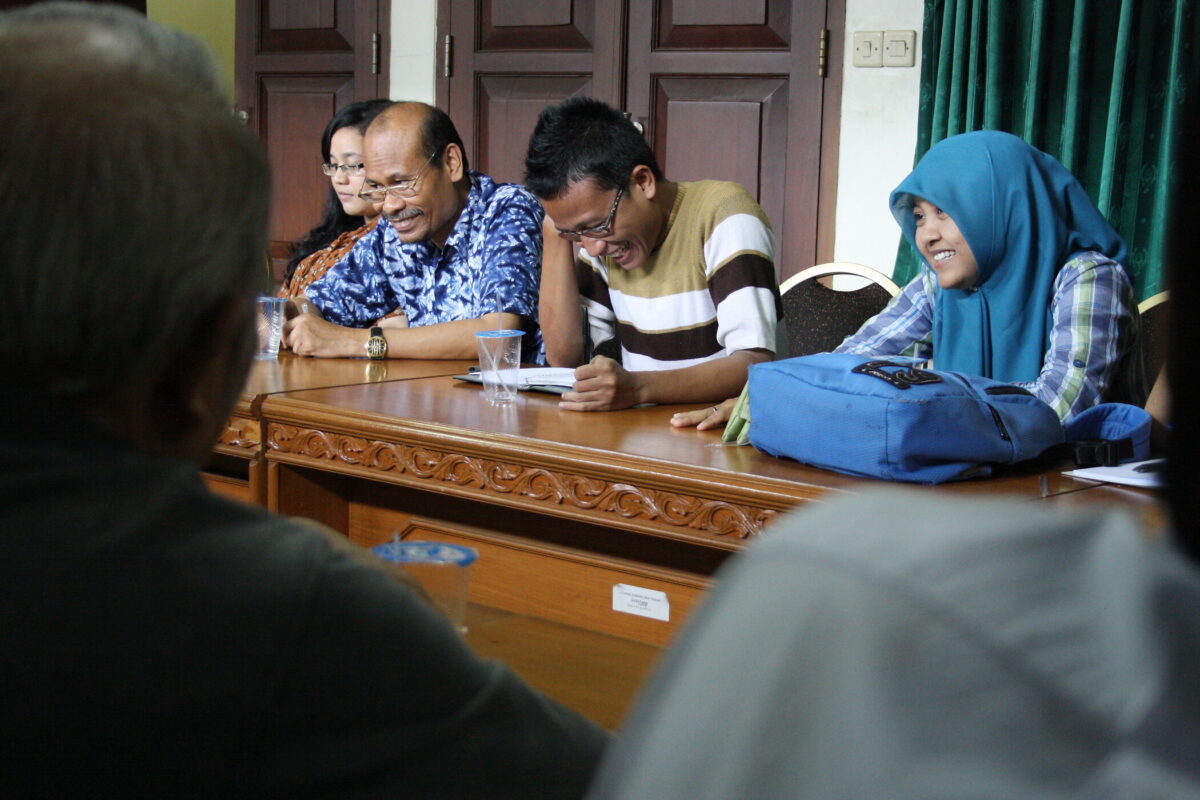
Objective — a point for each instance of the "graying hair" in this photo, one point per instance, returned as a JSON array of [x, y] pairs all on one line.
[[119, 35], [132, 208]]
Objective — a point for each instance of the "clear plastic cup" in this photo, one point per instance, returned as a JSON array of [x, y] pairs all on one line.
[[499, 364], [270, 326], [442, 570]]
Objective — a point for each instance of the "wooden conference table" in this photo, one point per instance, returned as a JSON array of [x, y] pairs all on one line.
[[237, 468], [572, 514]]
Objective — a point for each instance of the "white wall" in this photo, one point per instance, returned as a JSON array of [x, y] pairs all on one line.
[[878, 126], [414, 50], [878, 136]]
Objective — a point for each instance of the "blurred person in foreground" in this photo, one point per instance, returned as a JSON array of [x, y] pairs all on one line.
[[896, 644], [159, 641]]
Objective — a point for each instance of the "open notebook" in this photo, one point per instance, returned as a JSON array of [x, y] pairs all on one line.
[[554, 380]]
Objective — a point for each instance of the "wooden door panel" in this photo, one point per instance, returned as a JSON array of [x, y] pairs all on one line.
[[557, 25], [699, 71], [301, 16], [512, 59], [298, 61], [714, 12], [724, 89], [752, 112], [723, 25], [301, 25], [512, 15], [508, 107], [297, 108]]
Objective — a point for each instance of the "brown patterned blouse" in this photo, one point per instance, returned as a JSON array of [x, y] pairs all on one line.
[[318, 263]]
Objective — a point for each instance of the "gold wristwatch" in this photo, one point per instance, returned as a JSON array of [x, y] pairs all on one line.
[[377, 344]]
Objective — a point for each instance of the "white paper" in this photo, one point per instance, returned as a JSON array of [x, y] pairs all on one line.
[[1124, 474], [642, 602], [547, 376]]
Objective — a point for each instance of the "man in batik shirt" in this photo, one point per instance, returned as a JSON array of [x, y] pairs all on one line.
[[460, 253]]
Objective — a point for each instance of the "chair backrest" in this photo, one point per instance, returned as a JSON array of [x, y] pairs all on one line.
[[1153, 333], [818, 318]]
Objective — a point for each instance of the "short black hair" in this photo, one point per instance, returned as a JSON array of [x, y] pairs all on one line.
[[583, 138], [439, 131]]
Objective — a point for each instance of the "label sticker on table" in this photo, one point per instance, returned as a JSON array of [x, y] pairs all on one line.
[[642, 602]]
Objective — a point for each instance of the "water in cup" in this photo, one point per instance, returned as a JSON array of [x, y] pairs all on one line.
[[270, 326]]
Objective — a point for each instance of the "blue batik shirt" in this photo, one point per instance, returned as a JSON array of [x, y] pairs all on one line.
[[491, 261]]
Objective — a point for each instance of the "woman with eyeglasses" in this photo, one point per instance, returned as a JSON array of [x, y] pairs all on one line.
[[347, 217]]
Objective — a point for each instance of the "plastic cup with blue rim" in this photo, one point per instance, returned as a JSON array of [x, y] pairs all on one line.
[[499, 364], [441, 569]]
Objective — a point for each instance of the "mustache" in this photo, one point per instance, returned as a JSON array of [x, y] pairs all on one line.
[[403, 215]]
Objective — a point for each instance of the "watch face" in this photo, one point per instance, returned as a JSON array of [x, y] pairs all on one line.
[[376, 347]]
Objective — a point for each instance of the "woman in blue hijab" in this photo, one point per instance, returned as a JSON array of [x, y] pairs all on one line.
[[1023, 280]]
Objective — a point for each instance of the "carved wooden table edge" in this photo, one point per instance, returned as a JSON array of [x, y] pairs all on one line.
[[241, 437], [659, 498], [746, 487]]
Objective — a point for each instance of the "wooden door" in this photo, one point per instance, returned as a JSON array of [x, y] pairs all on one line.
[[730, 89], [725, 89], [508, 60], [297, 62]]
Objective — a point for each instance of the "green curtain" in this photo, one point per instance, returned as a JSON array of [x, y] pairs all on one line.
[[1099, 85]]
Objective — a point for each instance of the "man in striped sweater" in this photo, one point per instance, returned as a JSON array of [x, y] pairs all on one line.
[[680, 275]]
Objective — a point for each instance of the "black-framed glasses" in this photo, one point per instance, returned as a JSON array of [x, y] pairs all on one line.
[[352, 170], [597, 231], [406, 188]]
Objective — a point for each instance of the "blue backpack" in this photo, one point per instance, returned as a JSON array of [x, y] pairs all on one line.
[[886, 418]]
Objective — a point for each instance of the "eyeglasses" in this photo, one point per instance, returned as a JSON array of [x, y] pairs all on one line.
[[598, 231], [406, 188], [353, 170]]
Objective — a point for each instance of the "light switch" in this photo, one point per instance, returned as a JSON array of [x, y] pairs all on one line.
[[868, 48], [899, 48]]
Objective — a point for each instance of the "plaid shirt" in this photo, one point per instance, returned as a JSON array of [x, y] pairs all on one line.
[[492, 258], [1093, 316]]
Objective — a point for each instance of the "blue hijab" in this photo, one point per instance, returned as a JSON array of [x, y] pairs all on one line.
[[1023, 216]]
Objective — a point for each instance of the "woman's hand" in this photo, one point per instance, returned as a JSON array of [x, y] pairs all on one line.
[[706, 418]]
